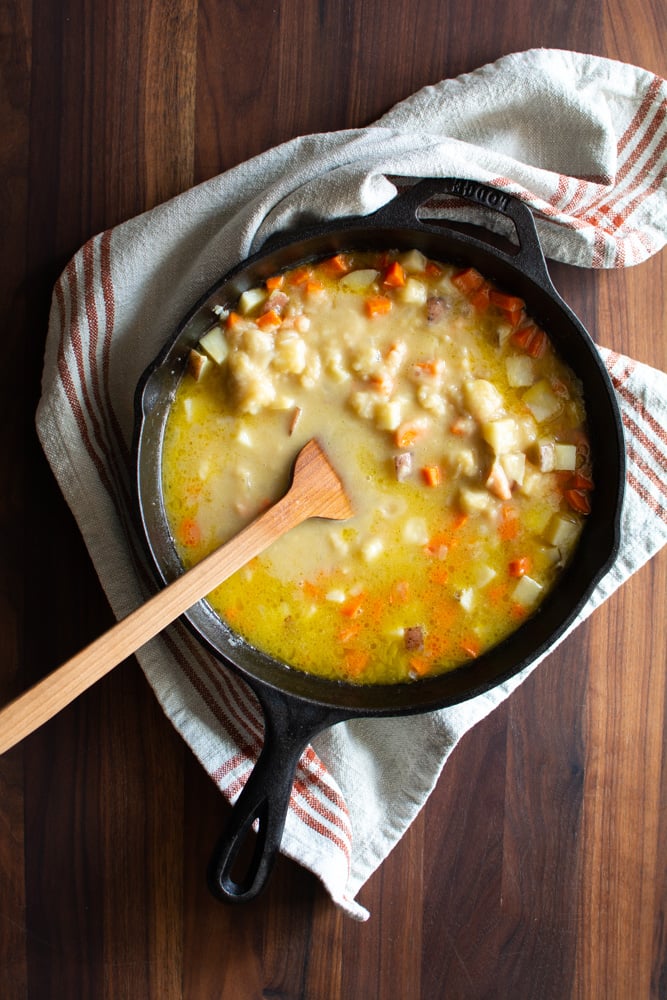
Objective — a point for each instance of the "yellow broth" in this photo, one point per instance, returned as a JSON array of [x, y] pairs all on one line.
[[458, 432]]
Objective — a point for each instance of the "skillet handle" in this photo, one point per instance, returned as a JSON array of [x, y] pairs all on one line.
[[529, 258], [265, 799]]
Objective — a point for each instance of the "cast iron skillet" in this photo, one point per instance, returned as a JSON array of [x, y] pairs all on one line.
[[297, 706]]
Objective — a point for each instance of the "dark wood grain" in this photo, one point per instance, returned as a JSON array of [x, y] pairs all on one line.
[[537, 868]]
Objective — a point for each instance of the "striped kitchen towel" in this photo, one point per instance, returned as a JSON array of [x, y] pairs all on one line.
[[582, 140]]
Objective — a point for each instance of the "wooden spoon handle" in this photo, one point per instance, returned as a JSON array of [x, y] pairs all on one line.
[[310, 495]]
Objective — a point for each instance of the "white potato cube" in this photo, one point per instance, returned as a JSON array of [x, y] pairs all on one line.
[[562, 532], [476, 501], [415, 531], [565, 457], [413, 261], [250, 299], [413, 291], [542, 401], [502, 435], [358, 281], [514, 464], [388, 415], [520, 370], [215, 345], [527, 591], [483, 574]]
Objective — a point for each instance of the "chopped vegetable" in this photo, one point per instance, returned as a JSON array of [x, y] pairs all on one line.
[[377, 305]]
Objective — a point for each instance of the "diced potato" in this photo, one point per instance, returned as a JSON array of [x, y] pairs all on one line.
[[413, 291], [476, 501], [413, 261], [526, 591], [215, 345], [514, 464], [542, 401], [467, 599], [520, 370], [545, 454], [335, 596], [483, 400], [502, 435], [483, 574], [415, 531], [250, 299], [565, 457], [532, 482], [359, 281], [562, 532], [388, 415]]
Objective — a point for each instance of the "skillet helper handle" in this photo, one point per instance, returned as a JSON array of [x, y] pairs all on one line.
[[264, 800], [529, 258]]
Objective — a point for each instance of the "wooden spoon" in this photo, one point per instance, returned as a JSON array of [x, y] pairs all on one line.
[[316, 491]]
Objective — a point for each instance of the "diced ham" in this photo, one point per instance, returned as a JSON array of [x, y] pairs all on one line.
[[413, 637], [436, 307]]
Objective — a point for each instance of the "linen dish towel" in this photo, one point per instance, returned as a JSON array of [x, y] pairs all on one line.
[[582, 140]]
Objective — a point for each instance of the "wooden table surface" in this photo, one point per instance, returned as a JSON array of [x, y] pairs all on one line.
[[537, 867]]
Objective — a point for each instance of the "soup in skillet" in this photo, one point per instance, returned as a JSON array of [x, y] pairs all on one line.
[[458, 432]]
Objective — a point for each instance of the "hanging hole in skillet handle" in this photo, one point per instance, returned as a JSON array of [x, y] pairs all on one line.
[[403, 212], [243, 860]]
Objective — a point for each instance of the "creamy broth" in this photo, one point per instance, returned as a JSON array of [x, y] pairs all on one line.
[[458, 432]]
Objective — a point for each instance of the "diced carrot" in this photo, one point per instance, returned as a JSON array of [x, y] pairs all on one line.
[[538, 344], [579, 501], [432, 270], [468, 281], [432, 475], [427, 367], [511, 306], [377, 305], [355, 661], [480, 298], [508, 526], [189, 532], [518, 611], [439, 574], [312, 591], [408, 433], [580, 481], [353, 605], [349, 633], [267, 319], [313, 286], [339, 264], [382, 382], [460, 427], [232, 319], [471, 645], [421, 665], [300, 275], [394, 276], [519, 567], [507, 303], [524, 335], [275, 282], [531, 339]]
